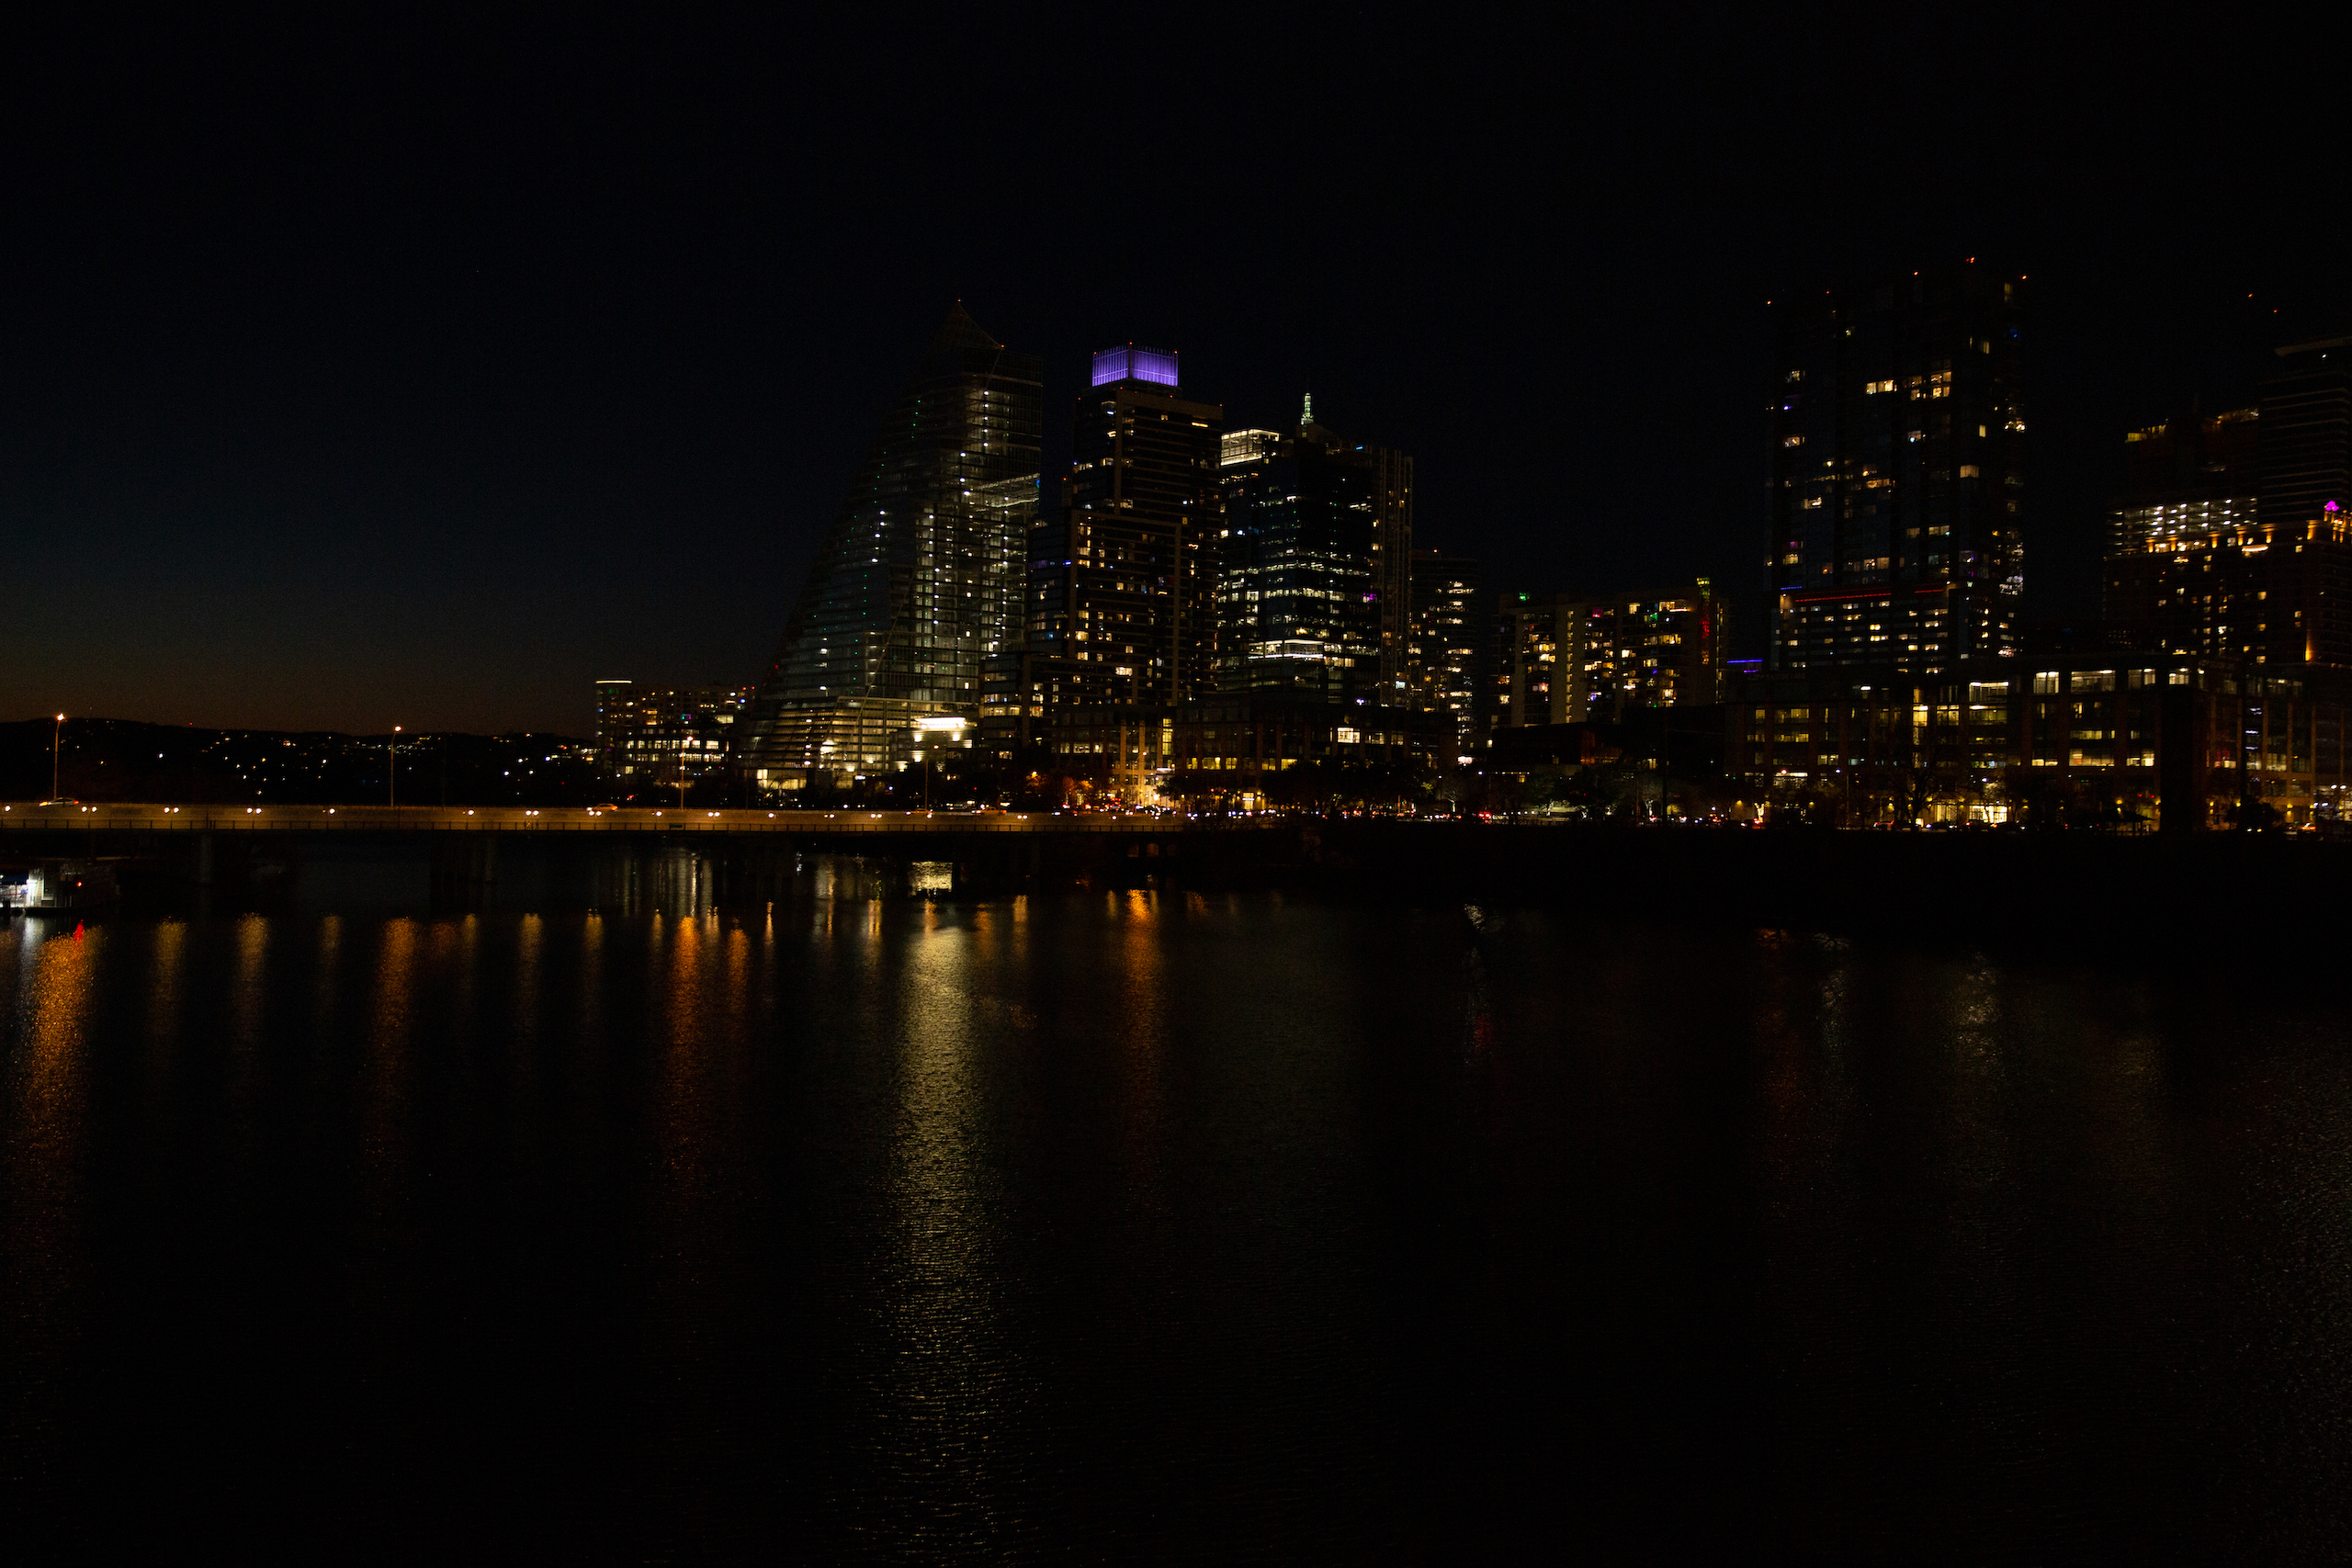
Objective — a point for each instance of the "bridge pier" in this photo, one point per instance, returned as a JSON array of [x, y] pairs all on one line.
[[466, 862]]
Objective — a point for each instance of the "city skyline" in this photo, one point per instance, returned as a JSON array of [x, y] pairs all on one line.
[[437, 424], [1361, 786]]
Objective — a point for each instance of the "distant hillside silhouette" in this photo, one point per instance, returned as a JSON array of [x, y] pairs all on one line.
[[121, 759]]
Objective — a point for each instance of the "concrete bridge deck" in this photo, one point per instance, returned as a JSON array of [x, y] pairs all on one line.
[[19, 818]]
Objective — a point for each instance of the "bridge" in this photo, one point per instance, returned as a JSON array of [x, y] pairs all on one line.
[[747, 849], [21, 819]]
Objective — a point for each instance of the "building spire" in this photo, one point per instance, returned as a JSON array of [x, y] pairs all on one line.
[[1306, 411]]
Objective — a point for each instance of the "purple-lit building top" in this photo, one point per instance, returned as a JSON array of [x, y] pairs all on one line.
[[1129, 363]]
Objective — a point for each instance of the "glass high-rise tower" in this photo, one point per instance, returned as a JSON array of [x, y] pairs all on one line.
[[923, 574], [2306, 435], [1898, 482], [1316, 573]]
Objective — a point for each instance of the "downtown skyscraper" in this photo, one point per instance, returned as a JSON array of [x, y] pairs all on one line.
[[1897, 475], [922, 577], [1122, 582], [2306, 435], [1315, 591]]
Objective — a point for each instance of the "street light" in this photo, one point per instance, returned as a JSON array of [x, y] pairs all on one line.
[[393, 768], [55, 735], [949, 725]]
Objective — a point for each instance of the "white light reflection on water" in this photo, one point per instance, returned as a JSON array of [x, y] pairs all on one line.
[[955, 1381]]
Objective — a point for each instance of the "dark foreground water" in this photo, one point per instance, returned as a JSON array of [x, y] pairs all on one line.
[[1158, 1226]]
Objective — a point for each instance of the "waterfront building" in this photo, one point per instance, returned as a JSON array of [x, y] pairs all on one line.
[[1568, 659], [1443, 658], [922, 575], [1897, 474], [1258, 733], [1229, 743], [1126, 748], [660, 736], [2090, 737]]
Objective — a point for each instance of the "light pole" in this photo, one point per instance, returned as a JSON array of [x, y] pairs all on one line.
[[55, 735], [393, 768]]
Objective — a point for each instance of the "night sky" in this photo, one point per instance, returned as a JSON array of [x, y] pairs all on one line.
[[423, 374]]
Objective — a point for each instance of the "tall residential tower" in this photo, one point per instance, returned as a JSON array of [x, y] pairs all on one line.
[[1897, 480], [1122, 584], [1444, 652]]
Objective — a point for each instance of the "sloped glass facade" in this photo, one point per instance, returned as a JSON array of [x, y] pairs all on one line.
[[923, 574]]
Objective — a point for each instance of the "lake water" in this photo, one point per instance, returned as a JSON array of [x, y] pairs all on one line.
[[1151, 1225]]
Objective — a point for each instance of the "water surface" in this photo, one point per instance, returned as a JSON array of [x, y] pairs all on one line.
[[1155, 1226]]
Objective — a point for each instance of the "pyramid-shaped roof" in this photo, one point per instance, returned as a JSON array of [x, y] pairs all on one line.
[[958, 332]]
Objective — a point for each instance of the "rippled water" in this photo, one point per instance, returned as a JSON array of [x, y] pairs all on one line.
[[1151, 1225]]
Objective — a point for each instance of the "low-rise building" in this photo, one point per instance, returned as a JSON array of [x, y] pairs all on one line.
[[2184, 742], [666, 737], [1135, 749], [1565, 659]]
